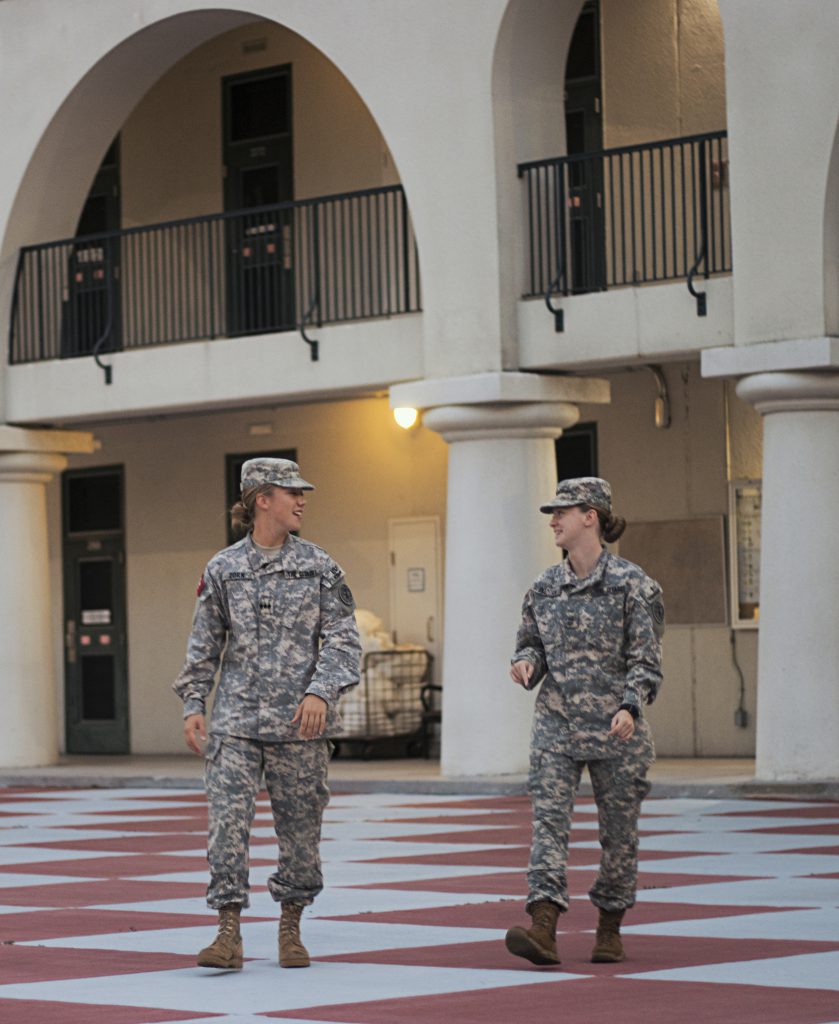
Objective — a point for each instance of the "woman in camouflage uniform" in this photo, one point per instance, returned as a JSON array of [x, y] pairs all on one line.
[[279, 609], [591, 633]]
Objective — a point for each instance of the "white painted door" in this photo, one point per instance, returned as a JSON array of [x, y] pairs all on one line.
[[416, 584]]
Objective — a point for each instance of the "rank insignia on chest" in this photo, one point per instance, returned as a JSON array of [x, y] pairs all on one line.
[[265, 604]]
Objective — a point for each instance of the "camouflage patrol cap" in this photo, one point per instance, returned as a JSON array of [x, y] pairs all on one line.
[[581, 490], [279, 472]]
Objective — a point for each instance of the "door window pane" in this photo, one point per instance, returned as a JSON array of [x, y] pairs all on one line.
[[94, 503], [98, 701], [259, 108], [95, 587], [260, 186]]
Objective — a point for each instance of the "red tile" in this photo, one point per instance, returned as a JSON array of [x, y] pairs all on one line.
[[500, 857], [112, 867], [826, 810], [644, 953], [60, 924], [156, 812], [487, 836], [128, 844], [601, 1000], [512, 883], [519, 820], [512, 857], [161, 798], [86, 894], [801, 830], [32, 1011], [22, 964], [581, 914], [184, 823]]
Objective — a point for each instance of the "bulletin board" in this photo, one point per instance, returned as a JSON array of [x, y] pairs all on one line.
[[744, 506], [687, 557]]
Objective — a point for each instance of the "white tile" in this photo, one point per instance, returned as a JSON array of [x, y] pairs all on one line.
[[384, 830], [13, 880], [35, 834], [728, 823], [36, 855], [810, 970], [816, 925], [334, 850], [322, 938], [342, 873], [346, 813], [261, 989], [692, 806], [767, 865], [330, 903], [726, 842], [761, 892]]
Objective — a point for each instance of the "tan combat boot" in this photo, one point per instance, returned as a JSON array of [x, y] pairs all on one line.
[[608, 948], [538, 943], [225, 952], [292, 951]]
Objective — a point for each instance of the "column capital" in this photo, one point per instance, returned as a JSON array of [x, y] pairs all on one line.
[[500, 388], [497, 421], [790, 392], [30, 467]]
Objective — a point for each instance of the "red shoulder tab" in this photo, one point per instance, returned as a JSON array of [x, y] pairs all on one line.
[[200, 588]]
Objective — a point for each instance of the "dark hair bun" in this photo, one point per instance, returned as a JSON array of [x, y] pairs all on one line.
[[613, 528]]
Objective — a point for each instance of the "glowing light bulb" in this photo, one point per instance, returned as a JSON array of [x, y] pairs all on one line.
[[405, 416]]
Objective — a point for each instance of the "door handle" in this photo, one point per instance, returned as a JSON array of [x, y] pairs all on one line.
[[70, 641], [429, 629]]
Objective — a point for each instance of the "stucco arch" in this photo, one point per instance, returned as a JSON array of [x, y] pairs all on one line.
[[64, 159], [831, 241], [528, 85]]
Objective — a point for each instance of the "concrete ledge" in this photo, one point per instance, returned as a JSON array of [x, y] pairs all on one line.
[[707, 778], [771, 357]]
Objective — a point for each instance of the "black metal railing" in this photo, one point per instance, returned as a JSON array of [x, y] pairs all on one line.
[[628, 216], [273, 268]]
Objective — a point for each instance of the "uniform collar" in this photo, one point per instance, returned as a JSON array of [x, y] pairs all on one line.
[[568, 578], [285, 557]]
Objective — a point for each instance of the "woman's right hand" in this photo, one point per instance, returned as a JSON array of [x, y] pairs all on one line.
[[521, 672], [195, 731]]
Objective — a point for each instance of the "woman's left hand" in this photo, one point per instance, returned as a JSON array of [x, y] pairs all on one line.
[[311, 714], [623, 726]]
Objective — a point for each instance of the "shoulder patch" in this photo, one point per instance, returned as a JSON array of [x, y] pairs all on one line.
[[655, 606], [345, 596], [331, 576]]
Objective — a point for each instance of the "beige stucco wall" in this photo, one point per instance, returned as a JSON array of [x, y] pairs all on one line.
[[365, 468], [663, 69], [680, 473], [336, 144]]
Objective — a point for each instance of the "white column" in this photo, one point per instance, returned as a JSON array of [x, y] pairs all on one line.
[[28, 724], [502, 466], [798, 674]]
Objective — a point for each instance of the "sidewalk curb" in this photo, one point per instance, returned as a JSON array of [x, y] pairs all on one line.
[[514, 785]]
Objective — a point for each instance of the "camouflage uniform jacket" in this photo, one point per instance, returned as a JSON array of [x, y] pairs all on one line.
[[596, 642], [286, 627]]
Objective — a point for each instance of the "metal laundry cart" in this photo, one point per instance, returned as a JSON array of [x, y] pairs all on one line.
[[386, 712]]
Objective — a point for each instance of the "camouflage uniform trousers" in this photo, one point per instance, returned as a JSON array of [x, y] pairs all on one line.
[[295, 776], [619, 785]]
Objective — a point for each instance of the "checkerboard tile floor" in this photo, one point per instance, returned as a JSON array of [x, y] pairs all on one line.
[[102, 911]]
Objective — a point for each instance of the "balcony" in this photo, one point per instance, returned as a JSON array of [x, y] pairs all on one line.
[[292, 266], [649, 214]]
